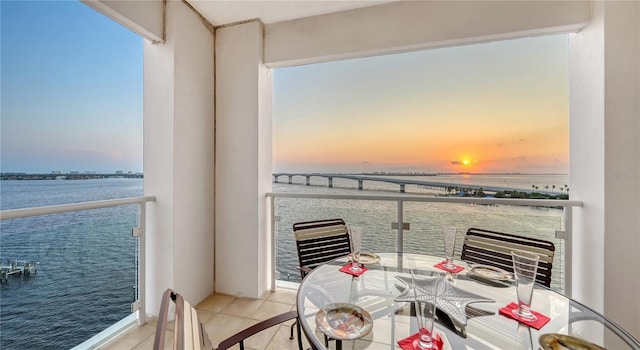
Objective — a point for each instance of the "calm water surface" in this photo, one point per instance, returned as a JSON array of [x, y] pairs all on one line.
[[86, 276]]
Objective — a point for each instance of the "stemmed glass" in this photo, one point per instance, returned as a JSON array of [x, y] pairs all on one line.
[[449, 234], [425, 291], [356, 240]]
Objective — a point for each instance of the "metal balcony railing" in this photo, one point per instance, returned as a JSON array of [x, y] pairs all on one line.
[[138, 305], [412, 223]]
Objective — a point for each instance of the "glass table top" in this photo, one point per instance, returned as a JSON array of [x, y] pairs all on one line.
[[377, 289]]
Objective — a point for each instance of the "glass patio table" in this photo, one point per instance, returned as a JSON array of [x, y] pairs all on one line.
[[375, 291]]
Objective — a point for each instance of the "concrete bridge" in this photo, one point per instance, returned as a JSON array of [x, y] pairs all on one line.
[[401, 182]]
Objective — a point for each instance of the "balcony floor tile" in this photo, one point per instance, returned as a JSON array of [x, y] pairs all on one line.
[[222, 316]]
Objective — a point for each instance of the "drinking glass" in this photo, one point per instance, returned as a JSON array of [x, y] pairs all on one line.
[[356, 240], [425, 291], [525, 265], [449, 234]]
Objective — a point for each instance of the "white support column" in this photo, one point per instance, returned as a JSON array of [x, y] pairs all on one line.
[[179, 158], [605, 172], [622, 162], [243, 161]]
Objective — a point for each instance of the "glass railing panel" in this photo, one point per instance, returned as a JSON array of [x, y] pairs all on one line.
[[374, 217], [427, 220], [85, 281]]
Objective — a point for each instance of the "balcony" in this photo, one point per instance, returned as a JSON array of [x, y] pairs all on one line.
[[209, 164]]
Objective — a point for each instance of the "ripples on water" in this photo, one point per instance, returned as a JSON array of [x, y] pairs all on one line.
[[86, 277]]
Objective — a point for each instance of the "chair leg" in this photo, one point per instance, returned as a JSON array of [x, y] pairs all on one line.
[[299, 335], [293, 325]]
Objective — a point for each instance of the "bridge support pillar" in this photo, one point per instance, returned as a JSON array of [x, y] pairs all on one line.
[[401, 188], [308, 182], [290, 179], [360, 182], [330, 182]]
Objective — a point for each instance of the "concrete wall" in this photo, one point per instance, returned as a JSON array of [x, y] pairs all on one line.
[[179, 158], [243, 161]]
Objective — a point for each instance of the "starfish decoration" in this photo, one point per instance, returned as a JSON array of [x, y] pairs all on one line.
[[451, 299]]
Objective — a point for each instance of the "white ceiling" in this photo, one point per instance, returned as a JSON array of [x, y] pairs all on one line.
[[225, 12]]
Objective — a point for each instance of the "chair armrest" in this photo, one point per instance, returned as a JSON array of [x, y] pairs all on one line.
[[258, 327], [304, 269]]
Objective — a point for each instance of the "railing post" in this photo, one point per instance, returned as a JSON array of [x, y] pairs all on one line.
[[400, 239], [568, 250], [142, 267], [274, 228]]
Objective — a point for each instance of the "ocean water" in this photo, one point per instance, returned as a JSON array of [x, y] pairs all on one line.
[[86, 276]]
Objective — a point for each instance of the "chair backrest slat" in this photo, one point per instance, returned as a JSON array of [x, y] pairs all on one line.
[[494, 249], [321, 241]]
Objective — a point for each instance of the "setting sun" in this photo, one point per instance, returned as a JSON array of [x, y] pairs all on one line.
[[466, 162]]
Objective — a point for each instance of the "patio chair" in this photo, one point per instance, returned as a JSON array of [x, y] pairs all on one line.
[[189, 332], [494, 249], [320, 241]]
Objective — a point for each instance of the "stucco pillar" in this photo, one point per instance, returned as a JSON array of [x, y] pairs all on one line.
[[179, 158], [243, 161], [605, 173]]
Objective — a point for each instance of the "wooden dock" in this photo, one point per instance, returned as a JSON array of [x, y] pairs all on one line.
[[17, 267]]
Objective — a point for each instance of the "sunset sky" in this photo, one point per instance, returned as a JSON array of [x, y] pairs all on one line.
[[496, 107], [72, 101]]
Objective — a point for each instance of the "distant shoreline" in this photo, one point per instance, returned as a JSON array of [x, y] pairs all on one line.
[[79, 176], [27, 177]]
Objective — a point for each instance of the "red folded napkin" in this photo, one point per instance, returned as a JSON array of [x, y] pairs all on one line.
[[407, 343], [441, 266], [346, 269], [537, 324]]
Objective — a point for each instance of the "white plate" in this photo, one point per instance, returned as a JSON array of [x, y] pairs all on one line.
[[490, 273], [344, 321], [555, 341]]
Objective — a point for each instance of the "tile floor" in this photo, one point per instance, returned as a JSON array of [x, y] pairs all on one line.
[[223, 316]]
